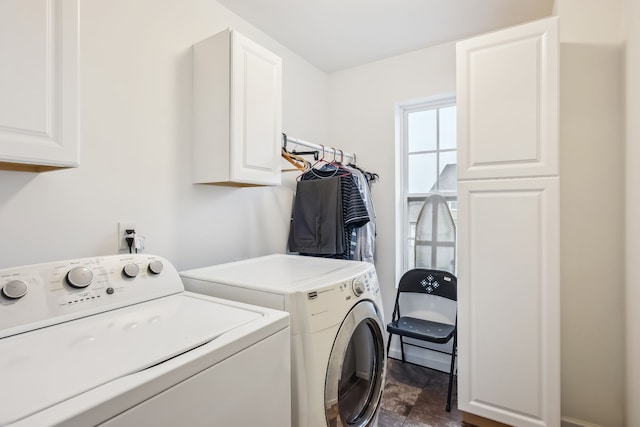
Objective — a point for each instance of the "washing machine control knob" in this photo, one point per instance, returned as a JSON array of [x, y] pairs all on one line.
[[15, 289], [358, 287], [79, 277], [131, 270], [155, 267]]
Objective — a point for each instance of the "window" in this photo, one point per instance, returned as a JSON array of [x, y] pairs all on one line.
[[427, 135]]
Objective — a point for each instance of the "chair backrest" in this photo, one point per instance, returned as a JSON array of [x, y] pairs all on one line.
[[428, 281], [427, 293]]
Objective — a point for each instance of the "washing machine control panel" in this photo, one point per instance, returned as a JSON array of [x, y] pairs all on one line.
[[40, 295], [366, 283], [323, 303], [363, 284]]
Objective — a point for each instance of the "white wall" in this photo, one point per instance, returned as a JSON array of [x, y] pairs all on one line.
[[135, 61], [362, 106], [592, 211], [592, 233], [631, 14], [589, 21]]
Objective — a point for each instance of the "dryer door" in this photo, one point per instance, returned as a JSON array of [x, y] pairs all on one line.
[[355, 374]]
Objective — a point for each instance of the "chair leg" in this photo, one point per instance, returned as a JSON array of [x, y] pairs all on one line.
[[453, 362], [402, 348], [389, 344]]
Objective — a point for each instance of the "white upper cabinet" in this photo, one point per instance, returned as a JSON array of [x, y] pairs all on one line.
[[509, 226], [507, 103], [38, 84], [237, 95]]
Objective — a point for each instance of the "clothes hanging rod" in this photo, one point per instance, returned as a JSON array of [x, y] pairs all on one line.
[[339, 154]]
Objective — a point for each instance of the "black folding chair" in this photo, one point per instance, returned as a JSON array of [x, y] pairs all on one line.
[[440, 284]]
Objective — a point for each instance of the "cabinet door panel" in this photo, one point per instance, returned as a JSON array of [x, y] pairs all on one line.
[[509, 291], [508, 103], [256, 122], [39, 81]]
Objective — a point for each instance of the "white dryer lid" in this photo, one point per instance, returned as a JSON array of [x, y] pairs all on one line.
[[41, 368], [280, 273]]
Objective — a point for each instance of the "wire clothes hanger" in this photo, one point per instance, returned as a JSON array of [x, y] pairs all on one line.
[[338, 165], [316, 171]]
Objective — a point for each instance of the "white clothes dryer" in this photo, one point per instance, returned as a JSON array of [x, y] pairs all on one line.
[[337, 329], [116, 341]]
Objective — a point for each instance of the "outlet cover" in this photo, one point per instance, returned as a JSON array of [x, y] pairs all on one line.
[[122, 227]]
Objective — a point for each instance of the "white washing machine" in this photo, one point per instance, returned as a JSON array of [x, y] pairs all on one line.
[[116, 341], [337, 328]]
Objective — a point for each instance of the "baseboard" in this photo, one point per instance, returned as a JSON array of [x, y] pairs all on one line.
[[479, 421], [572, 422], [484, 422]]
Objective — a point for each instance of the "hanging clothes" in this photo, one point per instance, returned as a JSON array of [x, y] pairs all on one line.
[[365, 238], [325, 208], [317, 220], [331, 220]]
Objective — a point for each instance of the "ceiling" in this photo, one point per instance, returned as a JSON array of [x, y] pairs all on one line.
[[338, 34]]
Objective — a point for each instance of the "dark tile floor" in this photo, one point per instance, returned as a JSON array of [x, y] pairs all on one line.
[[415, 396]]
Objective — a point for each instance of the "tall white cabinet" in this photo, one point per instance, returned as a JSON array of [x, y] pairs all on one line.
[[237, 103], [508, 225], [39, 126]]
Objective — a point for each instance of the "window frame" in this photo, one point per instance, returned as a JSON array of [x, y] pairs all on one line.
[[403, 197]]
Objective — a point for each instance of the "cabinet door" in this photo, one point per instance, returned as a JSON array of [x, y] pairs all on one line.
[[507, 92], [39, 84], [508, 296], [256, 133]]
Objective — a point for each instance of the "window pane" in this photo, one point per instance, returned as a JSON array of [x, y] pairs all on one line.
[[415, 206], [448, 128], [422, 173], [414, 211], [448, 171], [422, 257], [410, 259], [453, 207], [444, 259], [422, 130]]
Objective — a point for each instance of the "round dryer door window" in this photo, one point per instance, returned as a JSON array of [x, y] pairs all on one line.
[[355, 373]]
